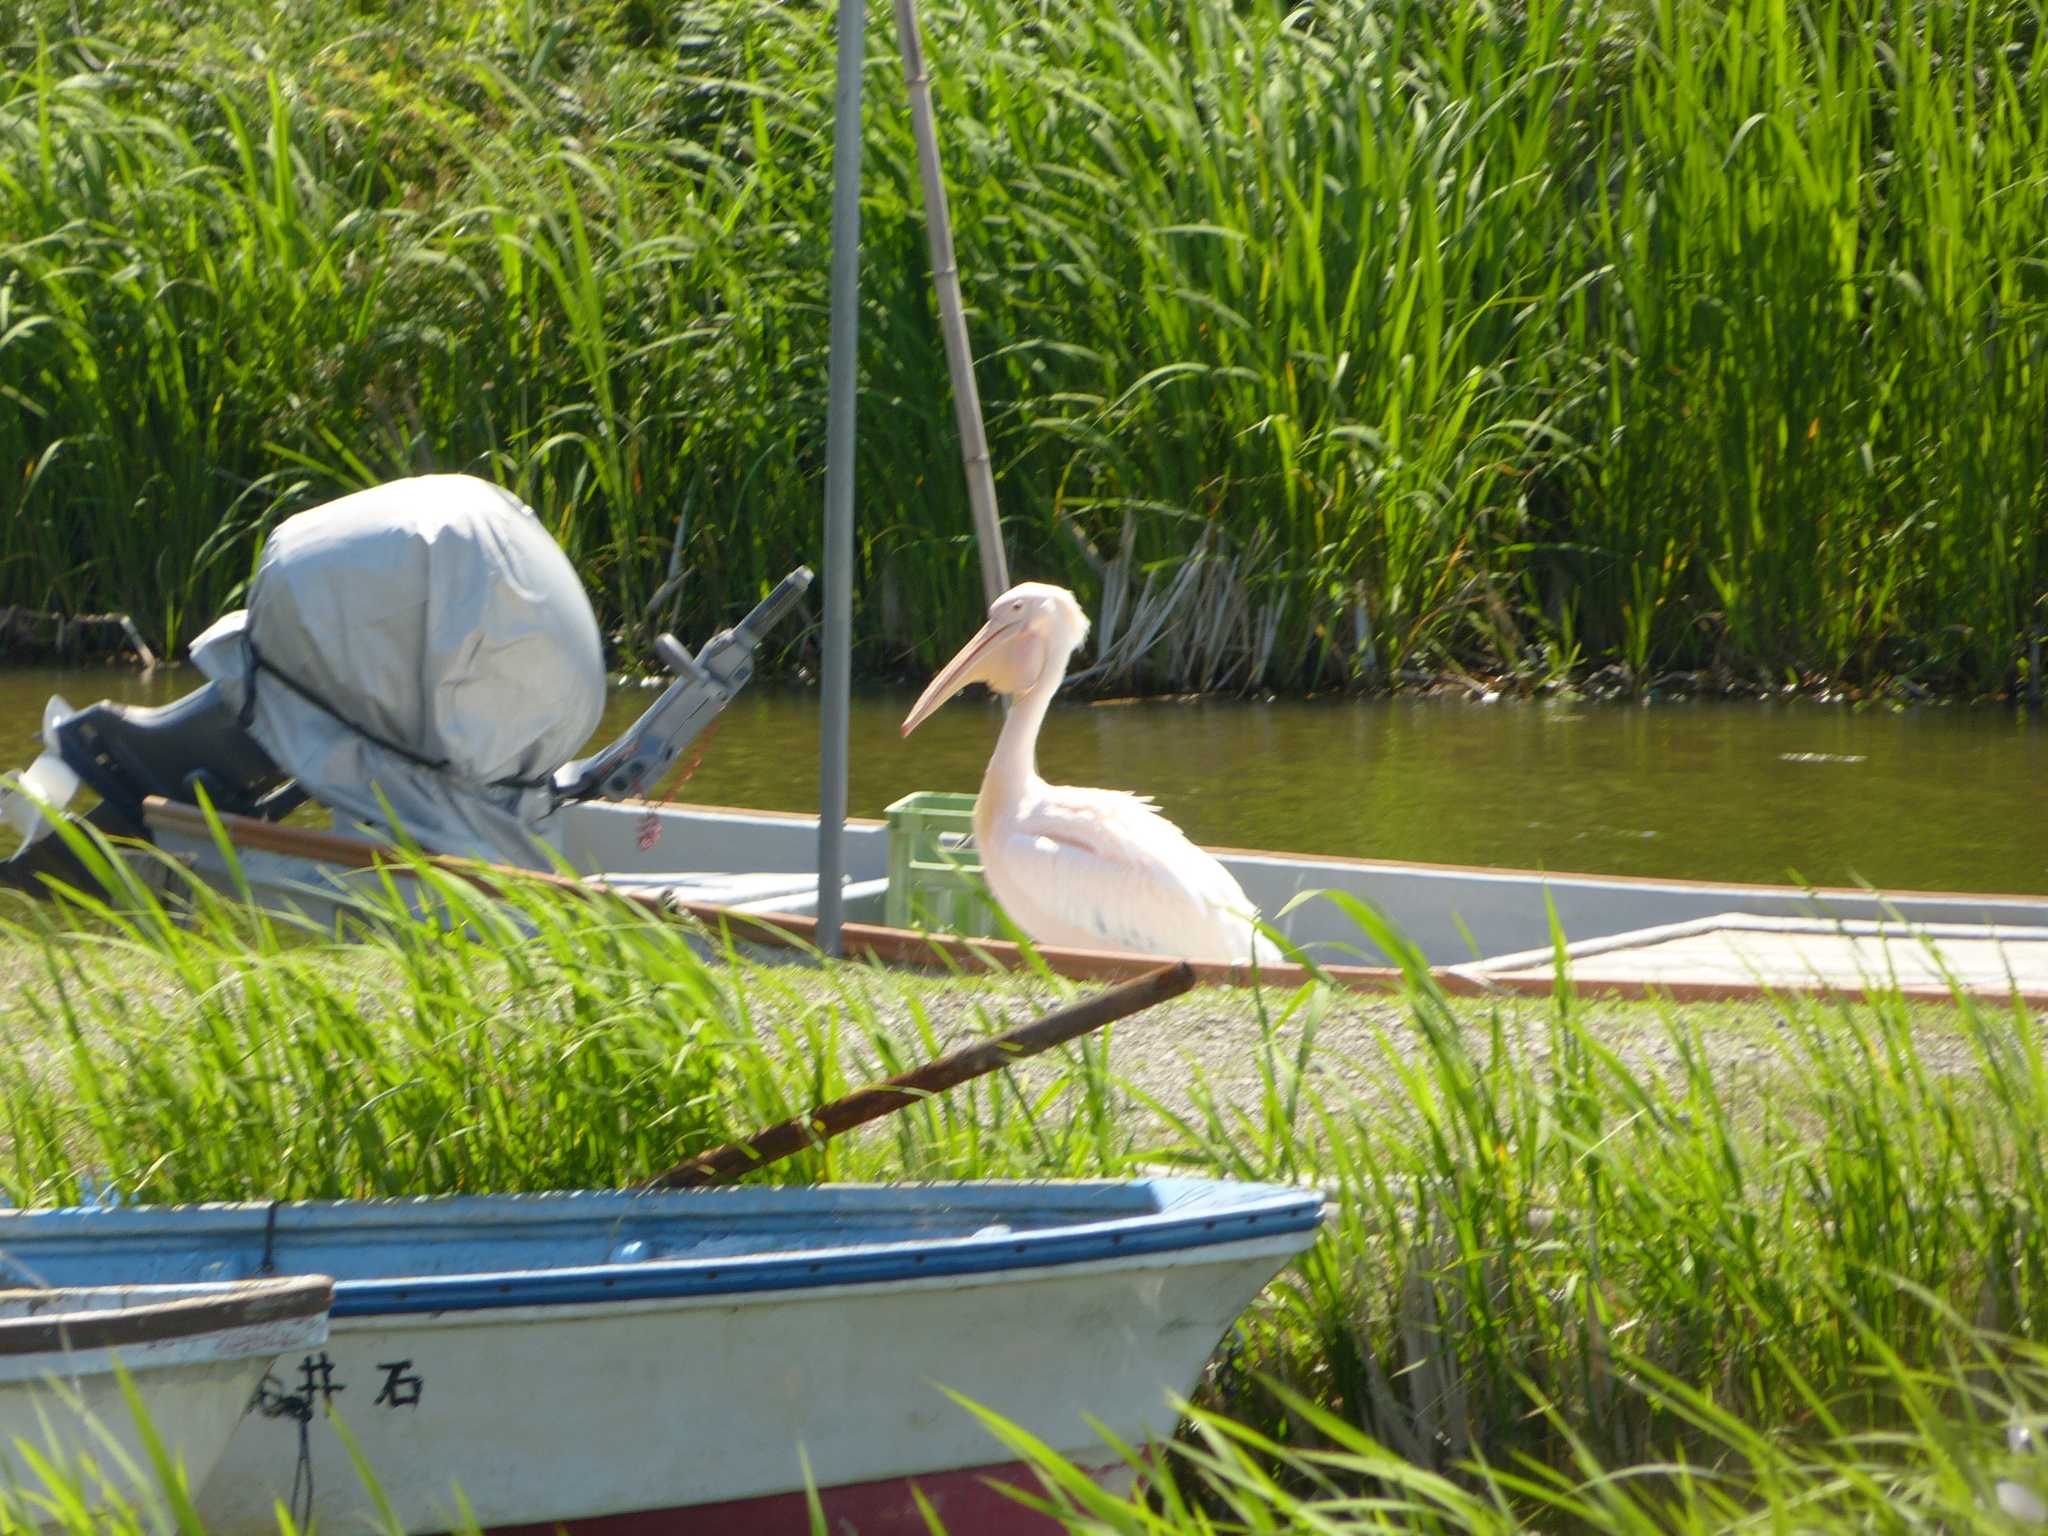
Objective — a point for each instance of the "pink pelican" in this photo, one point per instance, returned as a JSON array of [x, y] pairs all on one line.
[[1081, 868]]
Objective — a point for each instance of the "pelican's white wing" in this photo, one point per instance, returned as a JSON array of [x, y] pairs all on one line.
[[1099, 869]]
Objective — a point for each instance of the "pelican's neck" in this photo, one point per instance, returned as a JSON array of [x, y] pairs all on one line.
[[1013, 770]]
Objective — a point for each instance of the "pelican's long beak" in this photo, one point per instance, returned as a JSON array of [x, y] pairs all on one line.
[[971, 665]]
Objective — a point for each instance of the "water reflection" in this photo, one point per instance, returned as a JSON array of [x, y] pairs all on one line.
[[1934, 798]]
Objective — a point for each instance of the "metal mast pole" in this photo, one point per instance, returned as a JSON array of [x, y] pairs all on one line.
[[938, 225], [839, 415]]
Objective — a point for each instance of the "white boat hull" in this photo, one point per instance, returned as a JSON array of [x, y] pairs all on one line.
[[194, 1381], [77, 1418], [695, 1360], [538, 1414]]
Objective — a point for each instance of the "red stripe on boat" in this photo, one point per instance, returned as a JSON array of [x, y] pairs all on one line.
[[967, 1501]]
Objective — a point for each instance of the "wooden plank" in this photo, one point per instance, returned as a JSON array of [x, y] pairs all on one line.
[[721, 1165]]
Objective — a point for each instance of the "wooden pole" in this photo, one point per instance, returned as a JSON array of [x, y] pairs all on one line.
[[938, 226], [722, 1164]]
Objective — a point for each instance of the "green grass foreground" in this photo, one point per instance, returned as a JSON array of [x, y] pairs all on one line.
[[1593, 1267], [1342, 342]]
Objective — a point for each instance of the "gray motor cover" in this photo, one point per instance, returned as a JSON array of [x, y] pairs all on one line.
[[434, 614]]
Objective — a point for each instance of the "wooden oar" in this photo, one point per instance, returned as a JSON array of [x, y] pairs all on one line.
[[728, 1162]]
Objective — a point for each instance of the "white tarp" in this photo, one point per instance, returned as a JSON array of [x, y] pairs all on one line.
[[425, 638]]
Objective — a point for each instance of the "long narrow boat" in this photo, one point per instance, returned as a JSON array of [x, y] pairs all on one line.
[[1479, 930], [194, 1353], [692, 1360]]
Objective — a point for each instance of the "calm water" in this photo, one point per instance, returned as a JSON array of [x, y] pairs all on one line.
[[1939, 798]]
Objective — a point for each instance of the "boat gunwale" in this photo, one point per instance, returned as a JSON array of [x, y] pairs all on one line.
[[1183, 1220], [230, 1304], [950, 952]]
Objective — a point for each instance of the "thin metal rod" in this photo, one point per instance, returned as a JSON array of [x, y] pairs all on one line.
[[728, 1162], [839, 419], [938, 226]]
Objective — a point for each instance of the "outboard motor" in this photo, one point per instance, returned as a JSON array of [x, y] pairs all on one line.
[[704, 684], [421, 651]]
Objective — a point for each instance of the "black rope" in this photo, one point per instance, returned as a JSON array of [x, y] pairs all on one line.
[[273, 1402], [269, 1264], [258, 662]]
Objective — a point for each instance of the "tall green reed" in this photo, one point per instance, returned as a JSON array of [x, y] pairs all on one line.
[[1534, 338], [1548, 1247], [1223, 1475], [531, 1041]]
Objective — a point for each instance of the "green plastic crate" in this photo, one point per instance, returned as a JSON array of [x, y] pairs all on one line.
[[935, 884]]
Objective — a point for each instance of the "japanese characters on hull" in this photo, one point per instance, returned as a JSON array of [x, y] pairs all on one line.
[[401, 1387]]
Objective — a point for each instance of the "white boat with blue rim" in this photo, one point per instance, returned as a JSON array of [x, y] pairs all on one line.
[[1479, 931], [193, 1352], [621, 1363]]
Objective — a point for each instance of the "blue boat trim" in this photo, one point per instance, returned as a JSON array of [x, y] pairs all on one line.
[[661, 1280], [471, 1253]]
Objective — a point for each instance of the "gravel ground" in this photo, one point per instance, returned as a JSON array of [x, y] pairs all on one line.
[[1212, 1032], [1215, 1031]]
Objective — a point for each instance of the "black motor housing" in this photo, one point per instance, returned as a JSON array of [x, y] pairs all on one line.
[[127, 752]]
